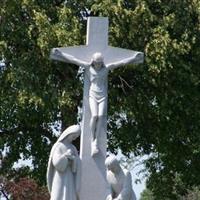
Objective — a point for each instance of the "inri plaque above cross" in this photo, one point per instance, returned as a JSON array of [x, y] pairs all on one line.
[[97, 57]]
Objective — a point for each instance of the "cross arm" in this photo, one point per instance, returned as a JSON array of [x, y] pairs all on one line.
[[74, 55], [119, 57]]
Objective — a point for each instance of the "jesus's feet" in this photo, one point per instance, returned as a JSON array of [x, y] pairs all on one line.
[[94, 148]]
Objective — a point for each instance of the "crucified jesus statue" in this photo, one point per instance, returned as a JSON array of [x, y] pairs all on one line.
[[97, 73], [97, 58]]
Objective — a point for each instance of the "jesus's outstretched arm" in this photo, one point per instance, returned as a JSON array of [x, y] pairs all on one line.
[[69, 58], [136, 58]]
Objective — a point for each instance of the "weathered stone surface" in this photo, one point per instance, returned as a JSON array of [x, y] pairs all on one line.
[[94, 185]]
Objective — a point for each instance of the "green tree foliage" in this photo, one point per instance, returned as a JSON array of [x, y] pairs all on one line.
[[147, 195], [36, 94], [153, 107], [193, 194]]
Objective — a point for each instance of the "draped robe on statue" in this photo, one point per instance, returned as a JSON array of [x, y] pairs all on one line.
[[63, 174]]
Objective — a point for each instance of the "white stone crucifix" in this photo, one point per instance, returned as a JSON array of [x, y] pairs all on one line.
[[97, 58]]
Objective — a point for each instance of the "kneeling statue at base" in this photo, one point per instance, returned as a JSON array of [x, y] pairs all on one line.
[[119, 180]]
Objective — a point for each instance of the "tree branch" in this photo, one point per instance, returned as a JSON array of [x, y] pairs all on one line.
[[4, 194]]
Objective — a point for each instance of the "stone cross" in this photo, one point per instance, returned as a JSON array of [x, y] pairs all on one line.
[[93, 179]]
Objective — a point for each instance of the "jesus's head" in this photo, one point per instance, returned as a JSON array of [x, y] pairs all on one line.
[[97, 60]]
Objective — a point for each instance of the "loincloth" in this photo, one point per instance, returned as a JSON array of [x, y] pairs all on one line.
[[98, 96]]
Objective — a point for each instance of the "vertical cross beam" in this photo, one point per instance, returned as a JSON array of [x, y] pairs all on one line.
[[97, 33], [93, 178]]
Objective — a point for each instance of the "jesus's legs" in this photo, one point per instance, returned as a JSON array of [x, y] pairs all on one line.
[[93, 123], [98, 112], [100, 127]]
